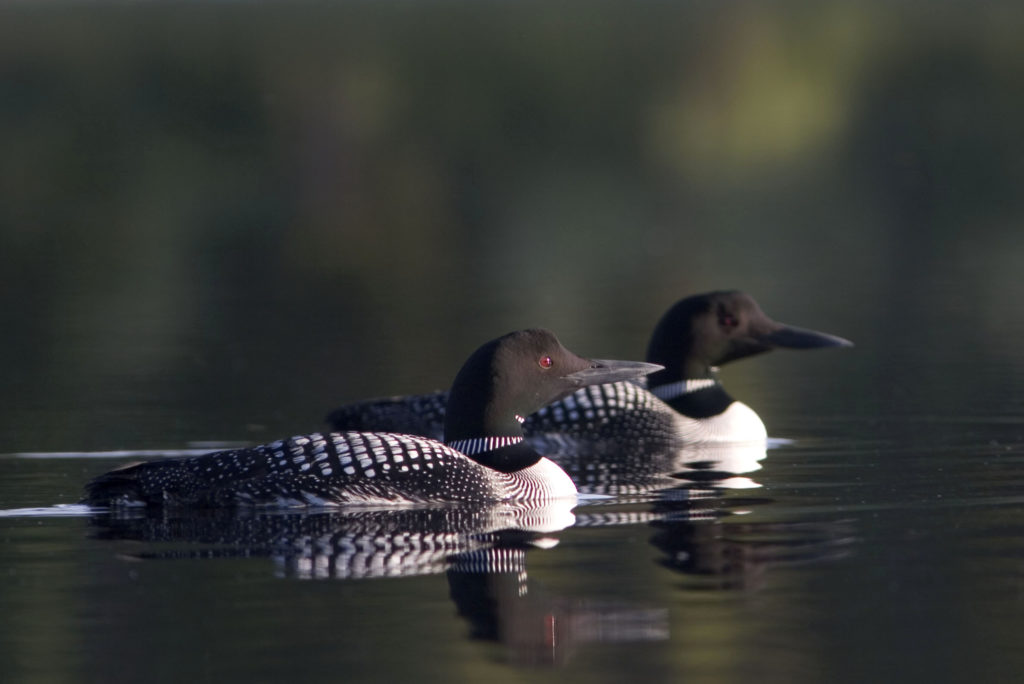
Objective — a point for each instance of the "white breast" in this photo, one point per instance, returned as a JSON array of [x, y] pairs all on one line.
[[738, 423], [544, 480]]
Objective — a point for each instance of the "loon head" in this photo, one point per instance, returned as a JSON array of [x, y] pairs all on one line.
[[711, 329], [513, 376]]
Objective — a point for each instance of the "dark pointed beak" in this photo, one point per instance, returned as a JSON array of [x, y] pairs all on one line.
[[791, 337], [603, 371]]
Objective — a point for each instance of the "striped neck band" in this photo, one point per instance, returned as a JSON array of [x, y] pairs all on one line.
[[479, 445], [678, 389]]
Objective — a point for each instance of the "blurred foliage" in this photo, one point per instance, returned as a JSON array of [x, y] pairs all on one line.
[[221, 213]]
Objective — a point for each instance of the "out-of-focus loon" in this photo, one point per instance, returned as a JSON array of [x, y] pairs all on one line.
[[686, 398], [484, 458]]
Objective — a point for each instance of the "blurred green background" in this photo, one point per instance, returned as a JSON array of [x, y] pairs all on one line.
[[220, 220]]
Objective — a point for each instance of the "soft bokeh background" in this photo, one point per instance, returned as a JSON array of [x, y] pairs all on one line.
[[220, 220], [243, 213]]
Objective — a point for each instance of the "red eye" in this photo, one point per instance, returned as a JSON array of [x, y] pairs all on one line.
[[545, 362], [727, 320]]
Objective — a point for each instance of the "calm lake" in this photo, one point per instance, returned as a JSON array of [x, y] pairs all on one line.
[[220, 221]]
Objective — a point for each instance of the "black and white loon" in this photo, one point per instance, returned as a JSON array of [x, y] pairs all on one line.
[[685, 401], [484, 459]]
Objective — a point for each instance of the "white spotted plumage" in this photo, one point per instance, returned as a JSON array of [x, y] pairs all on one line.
[[345, 468]]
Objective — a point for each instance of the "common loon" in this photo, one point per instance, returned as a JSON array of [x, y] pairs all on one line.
[[484, 459], [683, 403]]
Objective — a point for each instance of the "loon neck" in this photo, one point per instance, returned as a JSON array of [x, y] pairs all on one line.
[[679, 367], [480, 445], [487, 434], [506, 454], [671, 390], [695, 397]]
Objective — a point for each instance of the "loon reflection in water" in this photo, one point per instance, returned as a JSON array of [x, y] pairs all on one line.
[[481, 549], [483, 552], [693, 523], [729, 553], [617, 468], [491, 591], [351, 544]]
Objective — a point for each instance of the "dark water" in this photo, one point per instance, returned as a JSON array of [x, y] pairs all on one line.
[[219, 222]]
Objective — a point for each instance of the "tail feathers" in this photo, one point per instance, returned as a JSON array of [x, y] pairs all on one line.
[[210, 480], [121, 486]]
